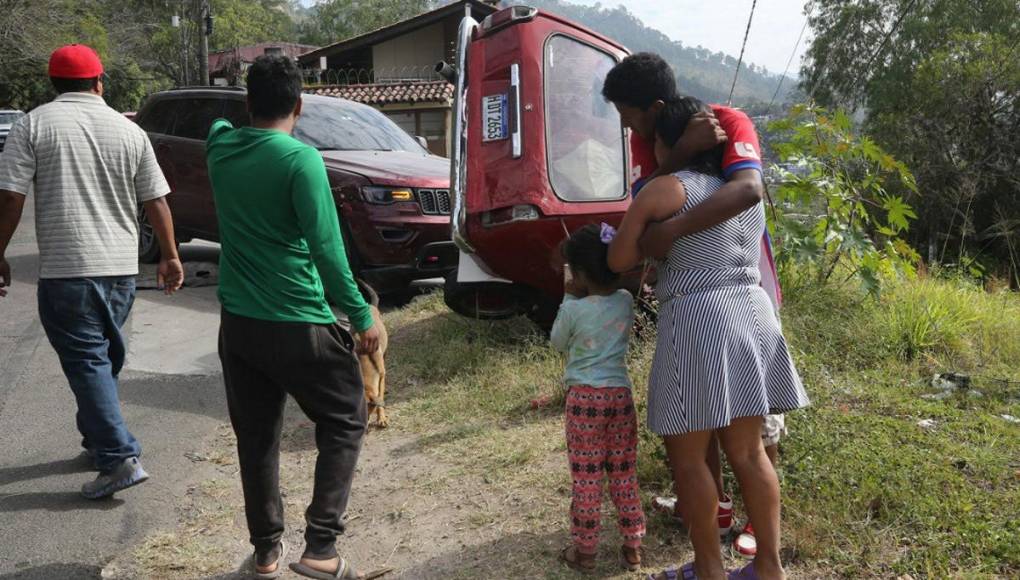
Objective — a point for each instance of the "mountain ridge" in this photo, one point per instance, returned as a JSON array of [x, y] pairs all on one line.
[[700, 72]]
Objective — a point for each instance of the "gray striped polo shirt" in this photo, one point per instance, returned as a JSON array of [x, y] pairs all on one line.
[[88, 168]]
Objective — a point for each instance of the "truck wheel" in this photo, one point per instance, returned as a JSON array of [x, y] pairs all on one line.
[[148, 245], [485, 300], [543, 314]]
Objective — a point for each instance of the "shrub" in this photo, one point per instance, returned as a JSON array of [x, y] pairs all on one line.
[[929, 317], [837, 211]]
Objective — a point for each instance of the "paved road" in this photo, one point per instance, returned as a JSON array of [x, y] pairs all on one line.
[[173, 401]]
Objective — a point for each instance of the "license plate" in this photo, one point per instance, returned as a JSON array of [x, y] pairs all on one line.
[[494, 118]]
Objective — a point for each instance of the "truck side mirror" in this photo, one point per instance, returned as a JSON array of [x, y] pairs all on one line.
[[422, 141], [446, 71]]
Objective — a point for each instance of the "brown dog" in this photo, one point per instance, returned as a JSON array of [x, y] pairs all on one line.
[[373, 374]]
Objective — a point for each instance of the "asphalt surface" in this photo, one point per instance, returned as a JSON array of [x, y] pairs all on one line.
[[172, 400]]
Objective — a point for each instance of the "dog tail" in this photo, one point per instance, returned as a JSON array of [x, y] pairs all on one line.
[[371, 296]]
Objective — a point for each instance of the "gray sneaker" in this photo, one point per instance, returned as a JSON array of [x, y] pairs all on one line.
[[127, 474]]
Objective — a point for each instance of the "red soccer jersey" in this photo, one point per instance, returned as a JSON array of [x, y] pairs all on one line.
[[742, 149]]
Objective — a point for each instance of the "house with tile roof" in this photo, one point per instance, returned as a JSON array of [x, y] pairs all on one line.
[[393, 70]]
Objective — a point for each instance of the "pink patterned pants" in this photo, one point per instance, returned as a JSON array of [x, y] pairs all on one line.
[[601, 427]]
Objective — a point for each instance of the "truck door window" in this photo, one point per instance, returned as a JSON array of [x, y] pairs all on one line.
[[584, 136], [237, 113], [160, 117], [196, 117]]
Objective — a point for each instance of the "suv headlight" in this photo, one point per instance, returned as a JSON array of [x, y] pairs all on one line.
[[386, 195]]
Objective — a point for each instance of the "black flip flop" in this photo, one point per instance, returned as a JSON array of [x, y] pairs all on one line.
[[279, 565]]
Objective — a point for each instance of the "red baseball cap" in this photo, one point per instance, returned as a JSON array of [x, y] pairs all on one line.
[[75, 61]]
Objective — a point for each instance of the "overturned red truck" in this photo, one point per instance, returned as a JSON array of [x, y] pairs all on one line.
[[537, 153]]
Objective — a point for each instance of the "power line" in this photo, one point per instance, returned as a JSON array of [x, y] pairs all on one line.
[[889, 34], [878, 51], [800, 37], [742, 47], [874, 55]]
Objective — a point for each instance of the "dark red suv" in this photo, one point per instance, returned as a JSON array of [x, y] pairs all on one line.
[[392, 194]]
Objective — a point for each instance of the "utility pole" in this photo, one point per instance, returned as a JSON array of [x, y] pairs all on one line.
[[176, 22], [204, 30]]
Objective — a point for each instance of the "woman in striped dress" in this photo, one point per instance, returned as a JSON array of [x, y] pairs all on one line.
[[721, 362]]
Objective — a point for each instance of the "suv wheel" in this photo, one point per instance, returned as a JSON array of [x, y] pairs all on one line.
[[486, 300], [148, 245]]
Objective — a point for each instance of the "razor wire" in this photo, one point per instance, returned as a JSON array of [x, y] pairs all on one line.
[[372, 76]]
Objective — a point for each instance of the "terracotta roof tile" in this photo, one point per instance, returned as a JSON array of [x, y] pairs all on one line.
[[410, 92]]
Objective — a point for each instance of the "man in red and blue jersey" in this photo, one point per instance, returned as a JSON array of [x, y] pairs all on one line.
[[639, 87]]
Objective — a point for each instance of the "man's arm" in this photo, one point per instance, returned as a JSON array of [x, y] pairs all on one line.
[[11, 206], [742, 191], [17, 172], [151, 190], [320, 225], [170, 275]]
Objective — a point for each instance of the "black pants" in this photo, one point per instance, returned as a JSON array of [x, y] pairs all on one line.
[[263, 362]]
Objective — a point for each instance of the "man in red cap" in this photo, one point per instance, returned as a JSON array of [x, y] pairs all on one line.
[[89, 169]]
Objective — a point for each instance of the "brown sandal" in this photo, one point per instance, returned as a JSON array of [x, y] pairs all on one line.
[[578, 561], [630, 558]]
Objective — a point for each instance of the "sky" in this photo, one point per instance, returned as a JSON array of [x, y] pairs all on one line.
[[719, 26]]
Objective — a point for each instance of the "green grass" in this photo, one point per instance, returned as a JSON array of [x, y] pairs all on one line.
[[867, 492], [865, 487]]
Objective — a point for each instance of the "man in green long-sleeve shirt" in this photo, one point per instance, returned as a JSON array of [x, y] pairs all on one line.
[[282, 254]]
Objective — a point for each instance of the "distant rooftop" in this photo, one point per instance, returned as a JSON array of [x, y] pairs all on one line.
[[411, 92], [219, 58]]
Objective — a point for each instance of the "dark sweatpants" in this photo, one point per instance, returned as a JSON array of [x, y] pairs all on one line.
[[263, 362]]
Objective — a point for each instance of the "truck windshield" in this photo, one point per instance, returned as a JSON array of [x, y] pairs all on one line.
[[330, 124], [584, 135], [9, 118]]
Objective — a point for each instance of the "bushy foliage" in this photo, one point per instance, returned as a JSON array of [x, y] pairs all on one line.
[[838, 209], [937, 84]]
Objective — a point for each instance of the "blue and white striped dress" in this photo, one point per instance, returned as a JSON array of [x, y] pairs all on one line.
[[720, 353]]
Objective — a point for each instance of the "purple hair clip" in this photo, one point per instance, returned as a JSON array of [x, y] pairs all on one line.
[[607, 233]]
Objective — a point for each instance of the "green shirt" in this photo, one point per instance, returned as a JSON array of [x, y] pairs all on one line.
[[281, 250], [593, 331]]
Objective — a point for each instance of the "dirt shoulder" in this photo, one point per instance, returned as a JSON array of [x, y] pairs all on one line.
[[469, 481]]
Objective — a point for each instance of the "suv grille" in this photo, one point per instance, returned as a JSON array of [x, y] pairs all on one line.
[[434, 201]]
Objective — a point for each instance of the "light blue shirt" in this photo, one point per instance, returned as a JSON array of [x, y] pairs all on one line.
[[594, 331]]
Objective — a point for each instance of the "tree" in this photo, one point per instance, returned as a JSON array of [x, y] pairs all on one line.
[[243, 22], [31, 29], [331, 21], [938, 82], [171, 50]]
